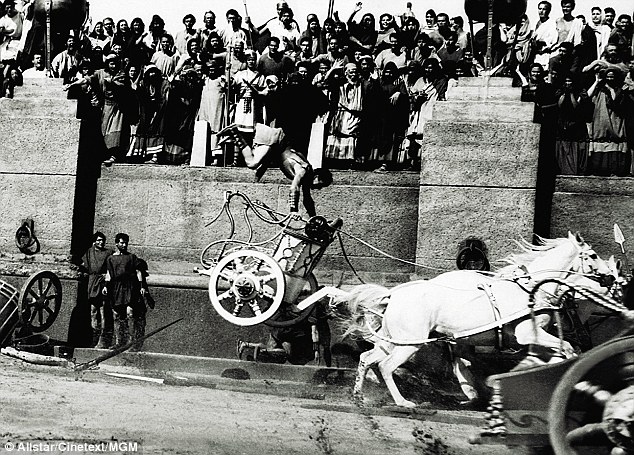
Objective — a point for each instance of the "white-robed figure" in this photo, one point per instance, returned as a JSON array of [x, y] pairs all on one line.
[[545, 37], [248, 84]]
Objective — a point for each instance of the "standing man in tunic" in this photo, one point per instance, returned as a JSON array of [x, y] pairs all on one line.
[[94, 261], [124, 278]]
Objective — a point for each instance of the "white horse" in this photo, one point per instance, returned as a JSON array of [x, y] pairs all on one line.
[[460, 304]]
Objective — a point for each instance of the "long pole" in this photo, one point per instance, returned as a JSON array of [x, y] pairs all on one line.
[[119, 350], [227, 145], [246, 14], [48, 36]]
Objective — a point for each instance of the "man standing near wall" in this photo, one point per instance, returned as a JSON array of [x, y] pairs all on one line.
[[94, 261], [124, 278]]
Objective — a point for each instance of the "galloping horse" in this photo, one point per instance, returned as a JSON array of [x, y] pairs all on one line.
[[460, 304]]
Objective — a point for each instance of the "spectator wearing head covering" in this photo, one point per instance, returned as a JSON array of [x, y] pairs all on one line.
[[363, 35], [249, 85], [314, 33]]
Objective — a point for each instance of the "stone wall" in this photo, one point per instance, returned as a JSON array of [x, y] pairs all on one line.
[[591, 206], [479, 172], [165, 210], [38, 165]]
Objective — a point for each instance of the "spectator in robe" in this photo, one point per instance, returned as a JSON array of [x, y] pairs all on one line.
[[108, 27], [275, 63], [11, 25], [450, 54], [166, 57], [625, 103], [234, 32], [409, 33], [149, 138], [98, 35], [611, 59], [249, 86], [122, 36], [304, 54], [622, 36], [328, 29], [430, 24], [394, 54], [545, 37], [351, 119], [387, 27], [564, 57], [571, 148], [457, 25], [367, 69], [335, 56], [157, 30], [315, 36], [608, 17], [363, 35], [601, 31], [467, 66], [209, 20], [111, 87], [64, 65], [393, 119], [425, 92], [190, 60], [285, 29], [183, 102], [212, 103], [608, 144], [184, 36], [536, 76], [424, 49], [138, 51], [442, 22]]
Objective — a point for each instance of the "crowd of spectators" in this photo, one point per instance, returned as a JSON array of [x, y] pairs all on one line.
[[357, 93]]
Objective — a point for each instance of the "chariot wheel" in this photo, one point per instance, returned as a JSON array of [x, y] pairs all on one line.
[[246, 287], [40, 300], [592, 408], [286, 316]]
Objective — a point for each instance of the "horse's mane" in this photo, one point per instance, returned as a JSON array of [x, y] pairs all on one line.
[[528, 252]]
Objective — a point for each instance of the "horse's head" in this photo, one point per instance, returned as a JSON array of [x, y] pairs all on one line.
[[589, 265]]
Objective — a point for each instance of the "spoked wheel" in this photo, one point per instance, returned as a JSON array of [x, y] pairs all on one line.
[[246, 287], [592, 408], [289, 315], [40, 300]]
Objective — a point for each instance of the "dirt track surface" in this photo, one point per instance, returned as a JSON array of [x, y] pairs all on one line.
[[48, 405]]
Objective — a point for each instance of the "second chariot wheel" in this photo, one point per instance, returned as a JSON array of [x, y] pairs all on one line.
[[40, 300], [592, 408], [289, 315], [246, 287]]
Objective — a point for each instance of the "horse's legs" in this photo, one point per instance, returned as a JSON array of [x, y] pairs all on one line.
[[465, 376], [366, 360], [526, 334], [399, 355]]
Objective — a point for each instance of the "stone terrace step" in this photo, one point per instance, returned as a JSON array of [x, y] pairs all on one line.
[[485, 93], [40, 91], [43, 81], [37, 107], [490, 111], [484, 81], [462, 154]]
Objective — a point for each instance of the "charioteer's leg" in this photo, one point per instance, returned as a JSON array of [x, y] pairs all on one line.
[[253, 155], [297, 168]]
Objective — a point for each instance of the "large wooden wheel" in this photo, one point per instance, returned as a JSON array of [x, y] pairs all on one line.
[[40, 300], [592, 408], [289, 315], [246, 287]]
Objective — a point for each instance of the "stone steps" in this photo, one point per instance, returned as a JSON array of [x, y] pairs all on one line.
[[30, 107], [489, 111], [40, 91], [43, 81], [485, 93], [463, 153], [485, 81]]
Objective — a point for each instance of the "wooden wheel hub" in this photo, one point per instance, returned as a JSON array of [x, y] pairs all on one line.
[[246, 286]]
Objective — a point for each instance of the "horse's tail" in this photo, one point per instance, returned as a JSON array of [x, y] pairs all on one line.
[[362, 306]]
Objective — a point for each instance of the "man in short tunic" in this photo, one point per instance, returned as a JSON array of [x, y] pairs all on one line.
[[94, 261]]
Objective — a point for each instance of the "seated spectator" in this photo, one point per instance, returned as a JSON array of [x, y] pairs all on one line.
[[467, 66], [38, 70], [166, 57], [363, 35]]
